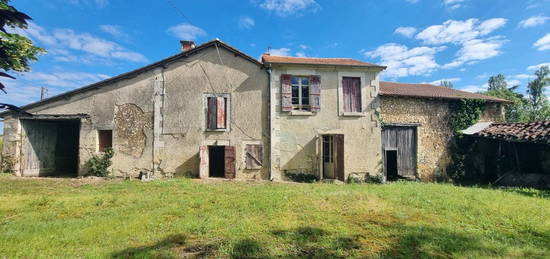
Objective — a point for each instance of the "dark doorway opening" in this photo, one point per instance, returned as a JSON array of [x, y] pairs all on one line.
[[50, 147], [66, 148], [391, 165], [216, 161]]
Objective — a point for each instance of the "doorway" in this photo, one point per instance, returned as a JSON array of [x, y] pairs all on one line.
[[332, 164], [50, 147], [216, 161], [391, 165]]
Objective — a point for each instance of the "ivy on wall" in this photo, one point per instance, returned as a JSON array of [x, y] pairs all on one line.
[[466, 113]]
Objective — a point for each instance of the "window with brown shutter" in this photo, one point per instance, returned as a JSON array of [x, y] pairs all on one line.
[[217, 111], [254, 156], [351, 88], [105, 139]]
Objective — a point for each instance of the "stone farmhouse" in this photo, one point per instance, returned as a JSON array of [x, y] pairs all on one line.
[[213, 111]]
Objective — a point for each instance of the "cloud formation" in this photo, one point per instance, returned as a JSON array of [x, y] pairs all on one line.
[[289, 7], [185, 31]]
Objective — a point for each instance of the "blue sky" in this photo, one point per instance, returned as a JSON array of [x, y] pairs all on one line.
[[464, 41]]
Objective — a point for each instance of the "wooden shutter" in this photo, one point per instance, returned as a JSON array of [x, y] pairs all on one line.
[[212, 113], [229, 162], [254, 156], [204, 162], [286, 93], [315, 93], [356, 94], [339, 141], [220, 112]]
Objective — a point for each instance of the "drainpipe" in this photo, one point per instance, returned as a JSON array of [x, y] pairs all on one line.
[[269, 118]]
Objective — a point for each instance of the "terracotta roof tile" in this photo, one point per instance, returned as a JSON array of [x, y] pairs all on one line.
[[430, 91], [538, 131], [316, 61]]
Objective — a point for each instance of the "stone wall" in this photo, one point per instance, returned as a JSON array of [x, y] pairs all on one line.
[[434, 131]]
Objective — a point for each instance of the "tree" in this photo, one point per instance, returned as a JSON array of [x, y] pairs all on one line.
[[16, 51], [446, 83], [498, 83], [539, 105], [517, 110]]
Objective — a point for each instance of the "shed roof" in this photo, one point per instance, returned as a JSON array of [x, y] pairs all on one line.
[[133, 73], [267, 58], [538, 131], [431, 91]]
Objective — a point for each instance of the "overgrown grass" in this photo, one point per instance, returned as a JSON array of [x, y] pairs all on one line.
[[182, 217]]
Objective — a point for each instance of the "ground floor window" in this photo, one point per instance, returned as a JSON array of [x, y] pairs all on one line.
[[105, 139]]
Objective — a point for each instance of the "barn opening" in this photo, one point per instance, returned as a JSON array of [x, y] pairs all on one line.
[[399, 147], [216, 161], [50, 147]]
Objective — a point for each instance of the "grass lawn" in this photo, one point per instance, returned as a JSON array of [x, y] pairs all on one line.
[[192, 218]]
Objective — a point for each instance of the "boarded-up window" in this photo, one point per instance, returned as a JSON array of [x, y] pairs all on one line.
[[105, 139], [216, 114], [254, 156], [351, 87]]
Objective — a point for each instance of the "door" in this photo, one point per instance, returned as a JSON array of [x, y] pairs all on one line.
[[328, 157], [402, 140], [339, 143], [38, 149]]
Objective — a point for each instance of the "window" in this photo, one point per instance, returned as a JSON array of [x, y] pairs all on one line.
[[328, 149], [105, 139], [351, 88], [217, 111], [254, 156], [301, 93]]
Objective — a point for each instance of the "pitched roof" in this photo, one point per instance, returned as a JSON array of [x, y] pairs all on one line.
[[161, 63], [267, 58], [538, 131], [431, 91]]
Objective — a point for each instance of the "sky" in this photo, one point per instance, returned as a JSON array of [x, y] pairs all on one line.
[[462, 41]]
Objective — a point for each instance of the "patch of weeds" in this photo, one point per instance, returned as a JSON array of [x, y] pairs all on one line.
[[41, 202], [302, 177], [98, 165], [376, 179]]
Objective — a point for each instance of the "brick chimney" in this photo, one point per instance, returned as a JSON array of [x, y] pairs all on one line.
[[187, 45]]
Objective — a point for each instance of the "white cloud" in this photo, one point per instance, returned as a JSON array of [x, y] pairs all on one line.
[[59, 42], [246, 22], [96, 3], [280, 52], [300, 54], [412, 1], [438, 82], [453, 4], [476, 50], [535, 67], [533, 21], [522, 76], [115, 31], [457, 32], [475, 88], [543, 43], [185, 31], [402, 61], [405, 31], [290, 7], [64, 79]]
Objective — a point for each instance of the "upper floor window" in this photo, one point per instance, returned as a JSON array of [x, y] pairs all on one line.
[[217, 111], [301, 93], [351, 88]]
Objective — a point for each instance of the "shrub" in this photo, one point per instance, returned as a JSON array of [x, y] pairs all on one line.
[[302, 177], [98, 165], [7, 164]]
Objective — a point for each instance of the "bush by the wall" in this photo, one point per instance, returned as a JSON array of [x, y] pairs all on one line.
[[302, 177], [98, 165]]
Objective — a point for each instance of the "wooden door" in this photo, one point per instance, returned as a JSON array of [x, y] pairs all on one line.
[[229, 154], [38, 148], [402, 139], [339, 148]]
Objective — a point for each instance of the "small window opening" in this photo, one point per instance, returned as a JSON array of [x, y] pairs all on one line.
[[105, 139], [300, 93]]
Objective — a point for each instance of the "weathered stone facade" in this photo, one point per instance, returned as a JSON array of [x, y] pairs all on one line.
[[433, 117]]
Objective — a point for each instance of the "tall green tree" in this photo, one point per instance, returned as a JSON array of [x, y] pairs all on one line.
[[446, 83], [518, 109], [16, 51], [539, 105]]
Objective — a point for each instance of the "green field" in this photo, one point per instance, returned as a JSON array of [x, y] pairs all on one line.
[[192, 218]]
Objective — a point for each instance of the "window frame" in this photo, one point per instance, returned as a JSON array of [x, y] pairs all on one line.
[[245, 150], [300, 107], [99, 138], [227, 97], [366, 84]]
